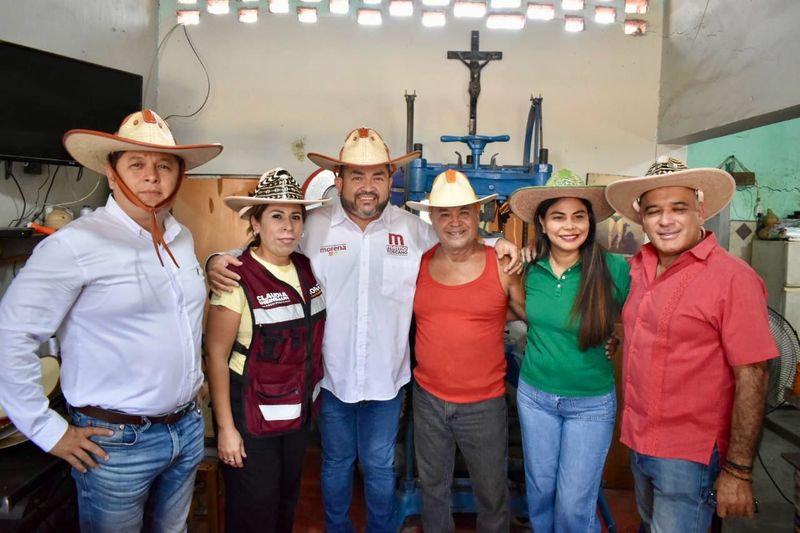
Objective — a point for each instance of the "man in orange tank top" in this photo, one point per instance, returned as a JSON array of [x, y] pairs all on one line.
[[461, 305]]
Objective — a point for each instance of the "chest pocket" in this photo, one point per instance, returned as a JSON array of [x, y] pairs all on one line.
[[399, 277]]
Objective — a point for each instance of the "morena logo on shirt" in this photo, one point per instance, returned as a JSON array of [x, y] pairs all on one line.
[[272, 298], [397, 245], [315, 291], [332, 249]]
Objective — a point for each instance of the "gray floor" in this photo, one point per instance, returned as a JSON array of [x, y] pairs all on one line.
[[775, 514]]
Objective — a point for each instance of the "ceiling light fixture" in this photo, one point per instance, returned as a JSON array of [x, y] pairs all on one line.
[[401, 8], [188, 17], [339, 7], [307, 15], [635, 27], [505, 21], [278, 6], [433, 19], [248, 15], [505, 4], [218, 7], [573, 24], [605, 14], [636, 7], [541, 11], [572, 5], [369, 17], [465, 9]]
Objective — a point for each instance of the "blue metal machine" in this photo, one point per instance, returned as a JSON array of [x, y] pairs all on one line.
[[414, 184]]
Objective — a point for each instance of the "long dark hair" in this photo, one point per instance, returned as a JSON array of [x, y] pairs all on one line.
[[594, 305], [257, 211]]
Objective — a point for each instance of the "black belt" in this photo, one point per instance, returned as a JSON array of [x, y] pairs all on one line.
[[115, 417]]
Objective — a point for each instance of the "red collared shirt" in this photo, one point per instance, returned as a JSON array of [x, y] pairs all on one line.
[[684, 331]]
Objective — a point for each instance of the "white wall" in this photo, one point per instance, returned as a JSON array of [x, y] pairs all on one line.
[[728, 66], [278, 82]]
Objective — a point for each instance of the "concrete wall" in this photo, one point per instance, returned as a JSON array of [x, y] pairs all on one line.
[[728, 66], [280, 88]]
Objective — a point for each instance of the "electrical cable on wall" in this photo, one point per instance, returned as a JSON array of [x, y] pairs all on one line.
[[17, 221], [199, 60]]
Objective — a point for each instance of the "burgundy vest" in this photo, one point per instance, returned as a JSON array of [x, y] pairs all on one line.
[[279, 388]]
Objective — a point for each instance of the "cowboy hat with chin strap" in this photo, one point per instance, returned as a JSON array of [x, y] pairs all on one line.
[[142, 131]]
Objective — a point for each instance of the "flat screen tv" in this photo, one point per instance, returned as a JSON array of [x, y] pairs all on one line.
[[43, 95]]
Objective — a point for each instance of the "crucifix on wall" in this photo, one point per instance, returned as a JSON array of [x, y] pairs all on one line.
[[475, 60]]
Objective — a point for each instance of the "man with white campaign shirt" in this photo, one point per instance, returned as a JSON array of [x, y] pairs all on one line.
[[366, 255], [123, 289]]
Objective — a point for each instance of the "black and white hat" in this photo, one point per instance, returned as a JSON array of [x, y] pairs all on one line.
[[275, 186]]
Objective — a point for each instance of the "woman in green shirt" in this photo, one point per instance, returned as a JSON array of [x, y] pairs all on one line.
[[566, 401]]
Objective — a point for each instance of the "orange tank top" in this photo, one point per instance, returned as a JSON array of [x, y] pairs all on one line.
[[459, 343]]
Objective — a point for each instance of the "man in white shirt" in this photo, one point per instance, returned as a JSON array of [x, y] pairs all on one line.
[[130, 322], [366, 255]]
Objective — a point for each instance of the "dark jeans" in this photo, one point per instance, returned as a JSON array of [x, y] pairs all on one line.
[[261, 497], [480, 430]]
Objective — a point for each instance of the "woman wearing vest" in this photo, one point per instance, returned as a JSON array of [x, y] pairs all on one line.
[[566, 401], [264, 360]]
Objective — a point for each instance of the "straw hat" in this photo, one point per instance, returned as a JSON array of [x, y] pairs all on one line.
[[715, 187], [363, 147], [451, 188], [275, 186], [563, 184], [142, 131]]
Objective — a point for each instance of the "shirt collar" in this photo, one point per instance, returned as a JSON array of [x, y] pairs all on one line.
[[544, 264], [171, 226]]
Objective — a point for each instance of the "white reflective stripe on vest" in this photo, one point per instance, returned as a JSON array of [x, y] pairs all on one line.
[[288, 411], [278, 314], [315, 393], [317, 305]]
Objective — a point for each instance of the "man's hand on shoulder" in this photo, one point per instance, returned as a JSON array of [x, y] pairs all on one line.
[[503, 248], [220, 279], [77, 449]]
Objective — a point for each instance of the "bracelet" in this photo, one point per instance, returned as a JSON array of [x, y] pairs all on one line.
[[737, 476], [740, 468]]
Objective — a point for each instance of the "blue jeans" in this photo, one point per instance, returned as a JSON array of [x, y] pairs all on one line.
[[674, 494], [565, 441], [368, 431], [480, 430], [148, 480]]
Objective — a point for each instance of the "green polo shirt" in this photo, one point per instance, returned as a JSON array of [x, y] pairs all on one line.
[[553, 359]]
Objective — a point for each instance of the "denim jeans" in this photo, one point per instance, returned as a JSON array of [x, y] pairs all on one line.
[[368, 431], [674, 494], [480, 430], [565, 441], [148, 480]]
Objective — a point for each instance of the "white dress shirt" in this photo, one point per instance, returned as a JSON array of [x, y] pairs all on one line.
[[369, 279], [129, 328]]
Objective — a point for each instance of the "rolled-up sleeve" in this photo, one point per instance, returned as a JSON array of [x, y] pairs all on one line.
[[32, 309]]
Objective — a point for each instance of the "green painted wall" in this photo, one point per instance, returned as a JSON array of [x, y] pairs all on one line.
[[772, 152]]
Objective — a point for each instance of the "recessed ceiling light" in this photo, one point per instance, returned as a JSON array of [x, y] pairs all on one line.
[[505, 21], [369, 17], [573, 24], [218, 7], [605, 14], [433, 19], [188, 17], [541, 11], [401, 8], [307, 15], [465, 9]]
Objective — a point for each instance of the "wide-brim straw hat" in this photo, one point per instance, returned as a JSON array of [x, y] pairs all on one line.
[[275, 186], [363, 147], [564, 184], [450, 189], [142, 131], [715, 187]]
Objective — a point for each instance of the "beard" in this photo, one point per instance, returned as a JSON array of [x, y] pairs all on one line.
[[364, 214]]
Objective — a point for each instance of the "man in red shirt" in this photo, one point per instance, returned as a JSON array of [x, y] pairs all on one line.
[[696, 344]]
